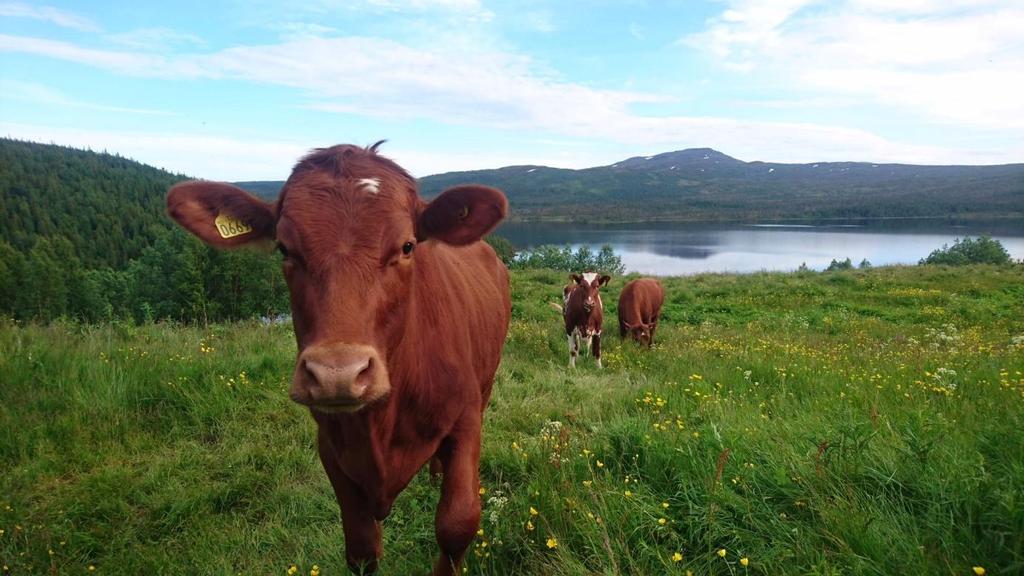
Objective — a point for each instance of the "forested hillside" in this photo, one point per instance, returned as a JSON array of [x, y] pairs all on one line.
[[109, 208], [701, 184], [85, 235]]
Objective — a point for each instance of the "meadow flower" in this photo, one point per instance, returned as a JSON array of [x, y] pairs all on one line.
[[292, 570], [482, 491], [744, 561], [662, 521], [979, 571], [721, 552], [677, 557], [314, 571], [552, 543], [529, 526], [627, 494], [533, 511], [600, 464]]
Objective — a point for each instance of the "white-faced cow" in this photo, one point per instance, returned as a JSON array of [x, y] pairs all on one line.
[[584, 314], [400, 314], [639, 307]]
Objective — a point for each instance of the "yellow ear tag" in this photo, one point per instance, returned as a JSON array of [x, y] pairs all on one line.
[[230, 227]]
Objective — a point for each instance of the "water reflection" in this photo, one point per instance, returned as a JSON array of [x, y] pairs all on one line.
[[691, 248]]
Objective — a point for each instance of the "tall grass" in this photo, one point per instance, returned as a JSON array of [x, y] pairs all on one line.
[[859, 422]]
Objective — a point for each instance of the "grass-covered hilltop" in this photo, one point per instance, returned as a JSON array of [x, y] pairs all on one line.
[[854, 422]]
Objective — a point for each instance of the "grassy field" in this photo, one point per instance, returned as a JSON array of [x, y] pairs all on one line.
[[862, 422]]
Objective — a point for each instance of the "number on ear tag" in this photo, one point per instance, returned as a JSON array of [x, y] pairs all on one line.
[[229, 227]]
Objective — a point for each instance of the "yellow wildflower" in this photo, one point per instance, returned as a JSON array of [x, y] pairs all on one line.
[[677, 557], [662, 521], [292, 570], [552, 543], [587, 483], [483, 490], [480, 532], [627, 493], [529, 526], [600, 464], [533, 511], [315, 571], [721, 552], [979, 571], [744, 561], [664, 504]]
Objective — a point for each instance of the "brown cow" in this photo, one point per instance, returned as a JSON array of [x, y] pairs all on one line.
[[584, 314], [400, 315], [639, 307]]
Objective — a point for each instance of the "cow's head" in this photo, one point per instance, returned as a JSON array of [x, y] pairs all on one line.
[[348, 223], [640, 332], [586, 287]]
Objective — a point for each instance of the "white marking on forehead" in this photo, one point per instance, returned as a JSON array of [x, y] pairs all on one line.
[[589, 277], [371, 185]]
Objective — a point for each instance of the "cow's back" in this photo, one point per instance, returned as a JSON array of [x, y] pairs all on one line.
[[641, 301]]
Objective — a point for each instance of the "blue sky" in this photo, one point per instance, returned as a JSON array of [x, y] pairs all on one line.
[[238, 90]]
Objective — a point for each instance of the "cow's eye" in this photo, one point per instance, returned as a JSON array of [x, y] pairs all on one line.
[[281, 248], [407, 248]]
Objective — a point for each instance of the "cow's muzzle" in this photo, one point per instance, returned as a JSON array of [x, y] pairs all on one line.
[[339, 377]]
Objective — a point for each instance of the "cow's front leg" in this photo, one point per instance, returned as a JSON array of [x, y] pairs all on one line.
[[458, 512], [596, 348], [573, 350], [362, 530]]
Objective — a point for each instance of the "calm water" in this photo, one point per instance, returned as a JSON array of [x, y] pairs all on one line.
[[673, 249]]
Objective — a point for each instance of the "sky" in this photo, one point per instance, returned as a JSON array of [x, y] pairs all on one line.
[[240, 89]]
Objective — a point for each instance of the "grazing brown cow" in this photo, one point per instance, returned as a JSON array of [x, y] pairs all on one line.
[[584, 314], [639, 307], [400, 315]]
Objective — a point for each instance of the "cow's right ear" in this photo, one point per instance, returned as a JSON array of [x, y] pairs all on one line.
[[575, 278], [222, 215]]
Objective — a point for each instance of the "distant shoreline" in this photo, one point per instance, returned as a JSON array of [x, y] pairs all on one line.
[[979, 217]]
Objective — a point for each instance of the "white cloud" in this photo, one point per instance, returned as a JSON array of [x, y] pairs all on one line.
[[234, 159], [50, 14], [505, 91], [470, 10], [155, 39], [539, 21], [199, 155], [40, 94], [954, 61]]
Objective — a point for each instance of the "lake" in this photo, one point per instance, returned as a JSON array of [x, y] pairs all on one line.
[[690, 248]]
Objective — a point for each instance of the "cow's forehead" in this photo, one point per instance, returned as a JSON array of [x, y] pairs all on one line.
[[346, 173]]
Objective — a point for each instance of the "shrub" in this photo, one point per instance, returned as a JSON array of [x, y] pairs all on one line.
[[837, 265], [502, 247], [981, 250], [564, 258]]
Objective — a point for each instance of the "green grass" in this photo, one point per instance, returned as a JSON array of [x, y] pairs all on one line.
[[808, 422]]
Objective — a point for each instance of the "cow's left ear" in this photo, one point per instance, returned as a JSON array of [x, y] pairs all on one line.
[[604, 280], [462, 215]]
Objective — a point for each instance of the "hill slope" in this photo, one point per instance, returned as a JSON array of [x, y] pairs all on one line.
[[108, 207], [704, 184]]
